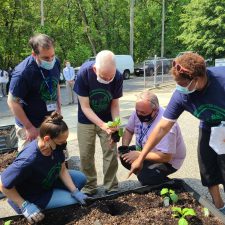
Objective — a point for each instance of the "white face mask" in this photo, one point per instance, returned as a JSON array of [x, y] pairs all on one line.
[[102, 81]]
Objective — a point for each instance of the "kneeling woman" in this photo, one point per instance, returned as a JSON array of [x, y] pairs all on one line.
[[38, 178]]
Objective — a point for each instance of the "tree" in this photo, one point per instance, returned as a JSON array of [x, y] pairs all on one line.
[[203, 27]]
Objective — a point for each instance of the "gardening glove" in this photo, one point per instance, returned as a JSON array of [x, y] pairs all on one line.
[[32, 212], [79, 196]]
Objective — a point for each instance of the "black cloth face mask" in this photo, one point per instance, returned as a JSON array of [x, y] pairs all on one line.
[[61, 147], [148, 118]]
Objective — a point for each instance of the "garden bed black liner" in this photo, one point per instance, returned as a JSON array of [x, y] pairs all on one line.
[[174, 184]]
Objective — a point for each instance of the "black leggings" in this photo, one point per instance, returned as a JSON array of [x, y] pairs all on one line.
[[211, 165]]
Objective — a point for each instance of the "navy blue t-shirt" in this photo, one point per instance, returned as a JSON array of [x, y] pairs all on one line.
[[34, 89], [100, 95], [208, 105], [33, 174]]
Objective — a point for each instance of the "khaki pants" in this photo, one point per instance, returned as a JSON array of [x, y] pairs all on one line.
[[72, 96], [21, 135], [86, 134]]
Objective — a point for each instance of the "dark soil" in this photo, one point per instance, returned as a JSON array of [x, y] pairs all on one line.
[[130, 209], [5, 131], [6, 159]]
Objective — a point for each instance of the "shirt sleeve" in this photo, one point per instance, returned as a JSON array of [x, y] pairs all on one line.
[[19, 85], [168, 143], [81, 86], [174, 108], [18, 171], [131, 123]]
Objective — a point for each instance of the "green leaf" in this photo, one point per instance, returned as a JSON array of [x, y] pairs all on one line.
[[120, 132], [177, 209], [110, 124], [8, 222], [174, 197], [164, 191], [182, 221], [206, 212], [117, 121], [172, 191], [188, 212]]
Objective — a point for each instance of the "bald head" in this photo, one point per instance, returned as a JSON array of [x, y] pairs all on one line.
[[105, 65], [146, 103]]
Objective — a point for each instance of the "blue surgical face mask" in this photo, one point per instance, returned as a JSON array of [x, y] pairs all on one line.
[[185, 90], [47, 65]]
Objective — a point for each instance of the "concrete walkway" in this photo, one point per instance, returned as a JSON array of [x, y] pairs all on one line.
[[189, 126]]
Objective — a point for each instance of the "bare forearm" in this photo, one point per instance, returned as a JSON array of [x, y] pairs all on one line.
[[90, 114], [156, 136], [159, 157], [127, 137], [115, 109], [13, 195], [18, 111]]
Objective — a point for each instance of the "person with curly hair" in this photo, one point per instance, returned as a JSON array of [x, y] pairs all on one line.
[[201, 92]]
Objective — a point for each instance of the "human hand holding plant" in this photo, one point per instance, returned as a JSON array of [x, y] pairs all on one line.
[[114, 126]]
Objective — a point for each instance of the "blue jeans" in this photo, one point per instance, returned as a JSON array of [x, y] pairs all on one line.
[[61, 196]]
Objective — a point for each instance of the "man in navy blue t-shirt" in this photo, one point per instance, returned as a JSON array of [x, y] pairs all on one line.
[[200, 91], [99, 87], [34, 89]]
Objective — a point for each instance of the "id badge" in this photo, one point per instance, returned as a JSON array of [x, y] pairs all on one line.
[[51, 106]]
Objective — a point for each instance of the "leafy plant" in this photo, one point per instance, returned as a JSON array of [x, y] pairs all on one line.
[[168, 195], [182, 214], [115, 123], [8, 222], [116, 135], [206, 212]]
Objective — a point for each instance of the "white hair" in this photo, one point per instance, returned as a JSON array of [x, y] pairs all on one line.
[[105, 59]]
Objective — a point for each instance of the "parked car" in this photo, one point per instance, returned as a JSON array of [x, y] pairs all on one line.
[[124, 63], [163, 65]]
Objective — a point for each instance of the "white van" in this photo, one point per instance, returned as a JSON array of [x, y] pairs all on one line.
[[124, 63]]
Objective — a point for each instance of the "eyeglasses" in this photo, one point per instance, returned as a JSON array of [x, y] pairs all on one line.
[[180, 68]]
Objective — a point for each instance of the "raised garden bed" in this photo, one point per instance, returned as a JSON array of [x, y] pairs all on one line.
[[7, 158], [140, 206], [8, 138]]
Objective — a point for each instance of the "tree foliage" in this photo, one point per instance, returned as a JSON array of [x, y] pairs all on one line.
[[203, 27], [81, 28]]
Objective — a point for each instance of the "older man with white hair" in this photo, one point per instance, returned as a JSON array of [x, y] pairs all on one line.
[[99, 87]]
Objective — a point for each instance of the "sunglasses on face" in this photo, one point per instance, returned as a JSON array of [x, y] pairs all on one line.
[[180, 68]]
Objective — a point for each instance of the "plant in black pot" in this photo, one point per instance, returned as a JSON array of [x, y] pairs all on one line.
[[116, 135]]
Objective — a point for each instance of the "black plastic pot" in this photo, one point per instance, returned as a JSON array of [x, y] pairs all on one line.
[[173, 184], [115, 136]]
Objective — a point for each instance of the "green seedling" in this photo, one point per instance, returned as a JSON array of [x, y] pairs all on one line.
[[115, 123], [206, 212], [168, 195], [8, 222], [182, 214], [118, 134]]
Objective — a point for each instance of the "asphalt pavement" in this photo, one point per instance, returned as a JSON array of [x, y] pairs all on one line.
[[189, 127]]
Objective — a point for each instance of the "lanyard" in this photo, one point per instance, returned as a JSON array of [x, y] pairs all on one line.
[[144, 131], [49, 85]]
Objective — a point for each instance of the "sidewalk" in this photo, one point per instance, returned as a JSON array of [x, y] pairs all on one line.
[[189, 126]]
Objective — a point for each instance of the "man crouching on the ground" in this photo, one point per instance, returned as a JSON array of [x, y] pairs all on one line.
[[167, 157]]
